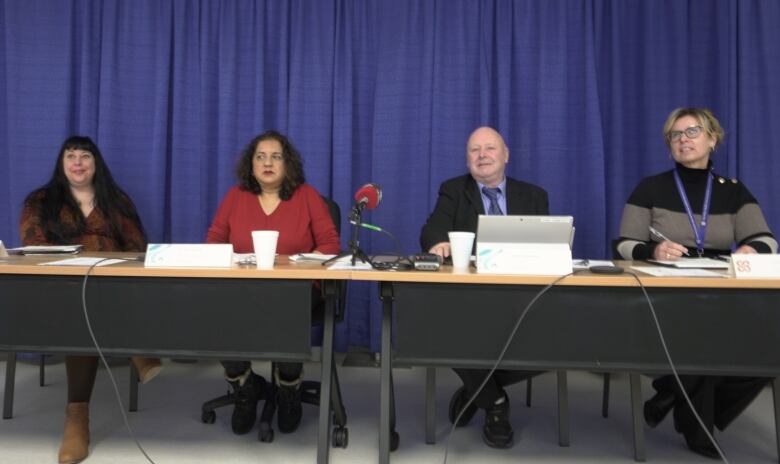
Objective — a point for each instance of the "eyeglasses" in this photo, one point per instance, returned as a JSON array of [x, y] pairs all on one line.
[[691, 132], [276, 157]]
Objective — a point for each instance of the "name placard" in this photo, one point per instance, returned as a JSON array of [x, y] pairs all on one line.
[[755, 266], [524, 258], [189, 255]]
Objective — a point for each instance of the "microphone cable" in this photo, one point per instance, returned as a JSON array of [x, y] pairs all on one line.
[[674, 368], [500, 358], [401, 262], [103, 358], [516, 326]]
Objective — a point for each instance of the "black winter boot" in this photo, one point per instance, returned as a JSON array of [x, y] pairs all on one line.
[[497, 430], [248, 389], [288, 398]]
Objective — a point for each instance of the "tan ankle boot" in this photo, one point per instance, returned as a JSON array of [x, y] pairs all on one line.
[[147, 368], [75, 438]]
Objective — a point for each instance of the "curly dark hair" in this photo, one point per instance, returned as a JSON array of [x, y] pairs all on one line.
[[109, 197], [293, 166]]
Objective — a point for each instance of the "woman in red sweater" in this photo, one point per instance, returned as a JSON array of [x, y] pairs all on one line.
[[271, 195]]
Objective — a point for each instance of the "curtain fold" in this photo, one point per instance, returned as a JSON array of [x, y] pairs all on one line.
[[384, 91]]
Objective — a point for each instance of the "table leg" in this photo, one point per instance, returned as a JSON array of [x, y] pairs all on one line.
[[10, 377], [326, 373], [776, 401], [385, 400], [563, 409], [636, 412], [133, 392], [430, 405]]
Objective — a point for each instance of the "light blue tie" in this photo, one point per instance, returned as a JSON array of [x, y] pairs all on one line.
[[492, 194]]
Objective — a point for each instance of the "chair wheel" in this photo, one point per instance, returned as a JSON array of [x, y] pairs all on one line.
[[266, 434], [340, 438], [395, 440], [208, 417]]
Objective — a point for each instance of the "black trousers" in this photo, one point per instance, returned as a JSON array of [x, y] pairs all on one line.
[[718, 400], [288, 371], [494, 388]]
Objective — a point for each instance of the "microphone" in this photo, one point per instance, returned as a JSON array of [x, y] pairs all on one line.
[[368, 196]]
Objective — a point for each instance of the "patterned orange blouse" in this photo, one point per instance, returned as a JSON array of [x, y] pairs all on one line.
[[97, 235]]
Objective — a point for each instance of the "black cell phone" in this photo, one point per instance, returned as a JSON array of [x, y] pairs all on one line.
[[426, 261]]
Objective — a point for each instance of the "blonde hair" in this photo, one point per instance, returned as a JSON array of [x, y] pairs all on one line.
[[707, 120]]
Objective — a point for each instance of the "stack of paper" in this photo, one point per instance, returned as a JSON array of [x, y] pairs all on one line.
[[694, 263], [46, 249], [310, 257]]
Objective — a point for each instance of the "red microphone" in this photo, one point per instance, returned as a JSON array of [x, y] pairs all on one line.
[[369, 196]]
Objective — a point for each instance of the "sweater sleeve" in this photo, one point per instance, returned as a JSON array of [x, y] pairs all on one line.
[[219, 231], [30, 230], [134, 239], [131, 228], [634, 242], [750, 226]]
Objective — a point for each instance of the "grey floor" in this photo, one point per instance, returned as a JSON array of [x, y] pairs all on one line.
[[169, 428]]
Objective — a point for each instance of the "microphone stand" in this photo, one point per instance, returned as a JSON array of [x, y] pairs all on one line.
[[354, 245]]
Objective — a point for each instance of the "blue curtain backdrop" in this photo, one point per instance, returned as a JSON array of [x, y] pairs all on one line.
[[384, 91]]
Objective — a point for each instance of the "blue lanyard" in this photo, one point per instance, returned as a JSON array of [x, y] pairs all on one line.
[[698, 231]]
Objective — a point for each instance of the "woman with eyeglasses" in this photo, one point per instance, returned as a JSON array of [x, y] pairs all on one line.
[[271, 195], [692, 211]]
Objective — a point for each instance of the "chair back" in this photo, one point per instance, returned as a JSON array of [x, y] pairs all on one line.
[[335, 212]]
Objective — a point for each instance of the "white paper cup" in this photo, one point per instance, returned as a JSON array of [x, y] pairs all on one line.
[[461, 244], [265, 247]]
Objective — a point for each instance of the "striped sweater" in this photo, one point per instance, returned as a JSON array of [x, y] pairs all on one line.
[[734, 217]]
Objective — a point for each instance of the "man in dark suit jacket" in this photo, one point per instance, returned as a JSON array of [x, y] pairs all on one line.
[[461, 200]]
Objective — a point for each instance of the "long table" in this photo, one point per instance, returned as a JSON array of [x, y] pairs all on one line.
[[589, 322], [722, 326], [236, 313]]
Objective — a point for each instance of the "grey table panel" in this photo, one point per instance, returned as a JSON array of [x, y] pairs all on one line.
[[717, 331], [218, 317]]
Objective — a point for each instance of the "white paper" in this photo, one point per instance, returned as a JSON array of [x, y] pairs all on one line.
[[83, 261], [310, 257], [345, 264], [693, 263], [661, 271]]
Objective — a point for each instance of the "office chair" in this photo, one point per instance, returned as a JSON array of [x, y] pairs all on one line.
[[310, 390]]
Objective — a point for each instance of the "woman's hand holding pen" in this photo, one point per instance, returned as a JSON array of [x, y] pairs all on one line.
[[669, 251]]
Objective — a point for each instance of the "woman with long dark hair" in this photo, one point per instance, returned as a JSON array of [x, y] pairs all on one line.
[[81, 204]]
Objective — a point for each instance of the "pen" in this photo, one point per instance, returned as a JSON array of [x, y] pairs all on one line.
[[662, 236]]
